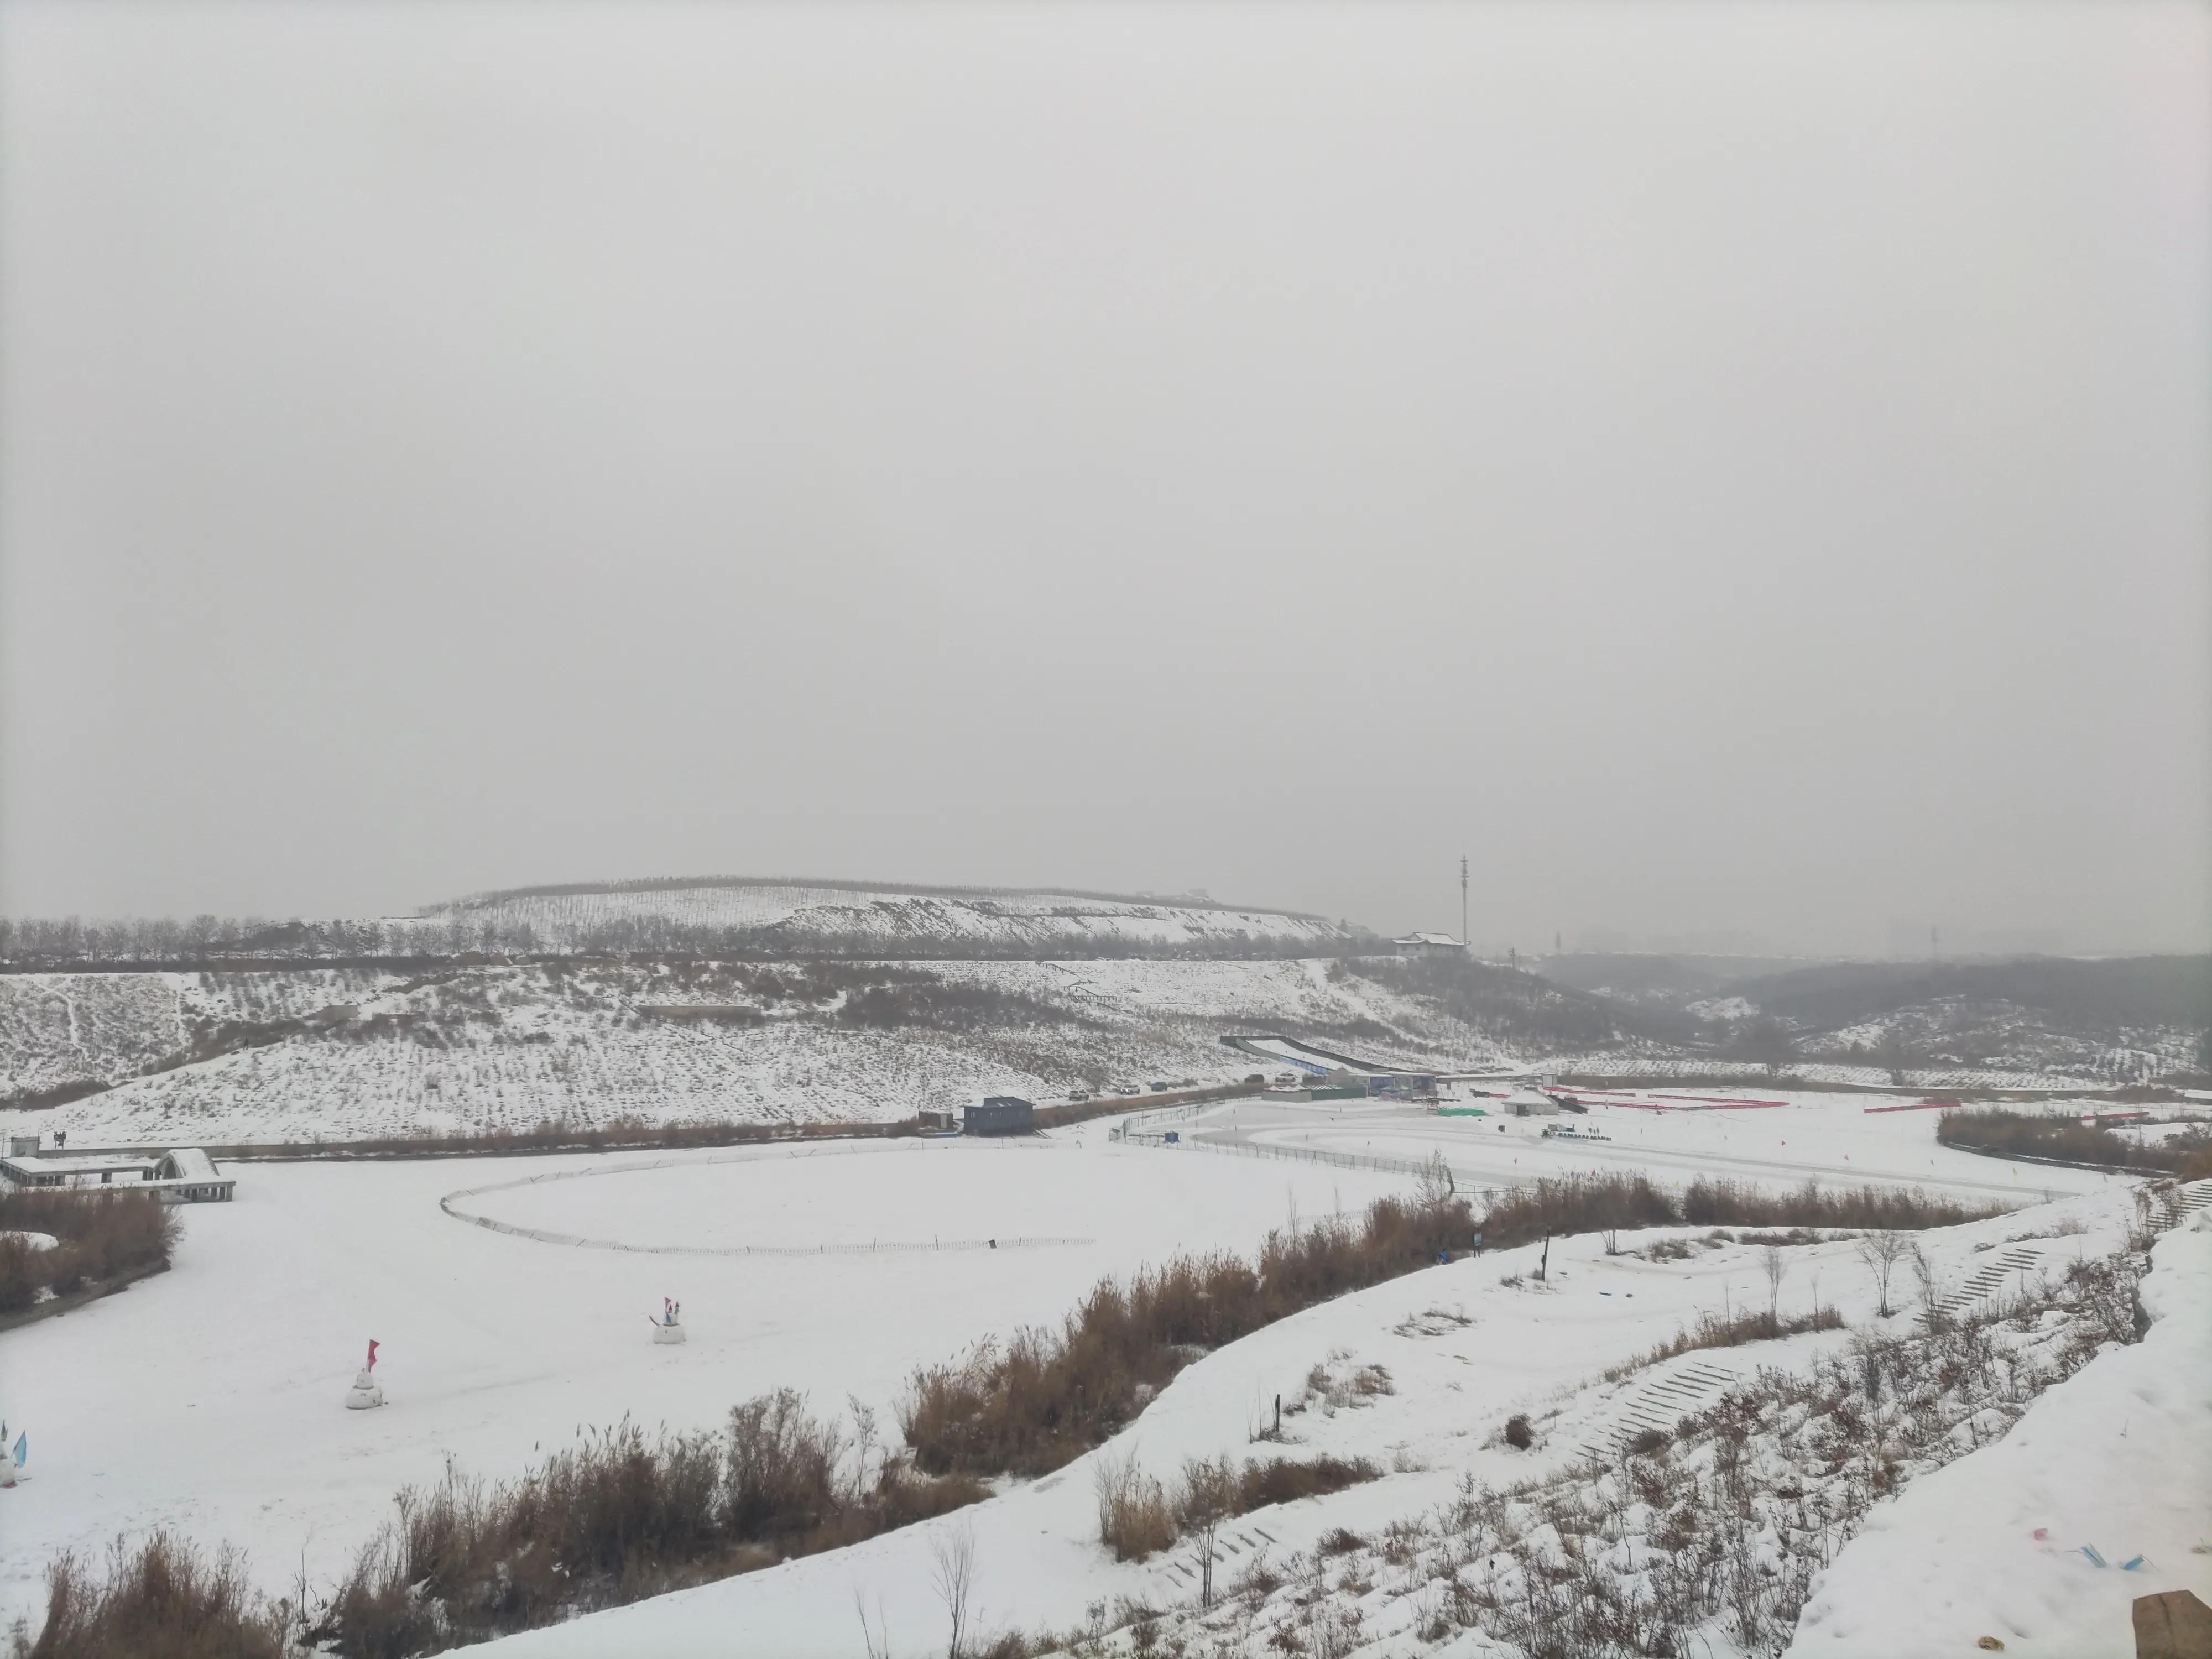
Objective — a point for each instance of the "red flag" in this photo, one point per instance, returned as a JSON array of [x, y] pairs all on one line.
[[372, 1353]]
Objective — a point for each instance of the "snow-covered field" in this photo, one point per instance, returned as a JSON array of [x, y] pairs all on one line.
[[1467, 1345], [209, 1398], [1830, 1139]]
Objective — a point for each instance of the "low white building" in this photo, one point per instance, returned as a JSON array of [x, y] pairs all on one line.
[[1531, 1103], [180, 1174]]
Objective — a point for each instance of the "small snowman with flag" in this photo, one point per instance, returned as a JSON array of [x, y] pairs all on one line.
[[13, 1460], [668, 1327], [364, 1393]]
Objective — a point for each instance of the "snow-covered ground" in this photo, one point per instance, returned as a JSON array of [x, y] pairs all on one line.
[[209, 1397], [2117, 1460], [1463, 1346], [1833, 1138]]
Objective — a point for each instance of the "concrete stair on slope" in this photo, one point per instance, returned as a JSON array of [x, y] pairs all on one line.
[[1660, 1404], [1235, 1544], [2193, 1199], [1990, 1276]]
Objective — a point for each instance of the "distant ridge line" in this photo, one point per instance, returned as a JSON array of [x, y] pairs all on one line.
[[676, 883]]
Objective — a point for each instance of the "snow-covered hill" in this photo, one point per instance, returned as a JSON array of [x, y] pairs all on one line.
[[329, 1054], [885, 916], [1990, 1024], [318, 1054]]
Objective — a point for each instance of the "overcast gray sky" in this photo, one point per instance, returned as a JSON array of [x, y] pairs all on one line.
[[1740, 472]]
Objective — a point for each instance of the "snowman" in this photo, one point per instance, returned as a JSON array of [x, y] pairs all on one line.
[[365, 1393], [668, 1327]]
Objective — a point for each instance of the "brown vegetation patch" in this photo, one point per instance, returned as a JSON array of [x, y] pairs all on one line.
[[163, 1598], [99, 1235], [1046, 1397], [1139, 1516], [2065, 1140], [616, 1518], [1604, 1203]]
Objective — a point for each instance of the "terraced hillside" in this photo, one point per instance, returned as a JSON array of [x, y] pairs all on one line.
[[299, 1052], [313, 1054]]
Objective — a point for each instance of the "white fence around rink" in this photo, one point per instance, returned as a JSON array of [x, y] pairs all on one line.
[[574, 1240], [1314, 1155], [1138, 1126]]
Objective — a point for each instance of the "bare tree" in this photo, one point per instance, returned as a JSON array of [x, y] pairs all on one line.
[[1768, 1041], [1773, 1264], [1895, 1055], [954, 1577], [1882, 1252], [1210, 1491], [1932, 1285], [1435, 1185], [864, 1442]]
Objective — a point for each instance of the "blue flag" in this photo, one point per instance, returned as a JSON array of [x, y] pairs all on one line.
[[22, 1448]]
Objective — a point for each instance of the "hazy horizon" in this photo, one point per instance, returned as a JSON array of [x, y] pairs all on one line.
[[1739, 475], [1909, 940]]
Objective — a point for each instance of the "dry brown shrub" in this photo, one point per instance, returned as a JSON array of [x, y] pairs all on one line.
[[1046, 1397], [1135, 1519], [161, 1600]]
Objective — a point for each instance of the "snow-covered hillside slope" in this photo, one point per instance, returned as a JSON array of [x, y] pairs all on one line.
[[2118, 1462], [1952, 1024], [889, 916], [61, 1029], [311, 1053], [511, 1045]]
